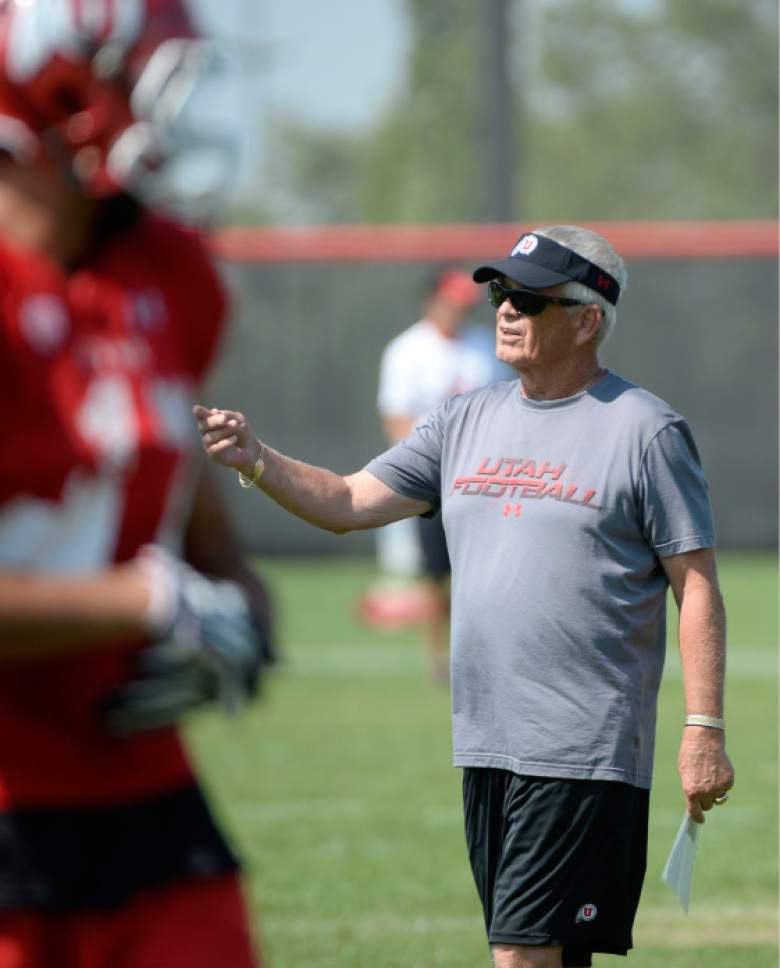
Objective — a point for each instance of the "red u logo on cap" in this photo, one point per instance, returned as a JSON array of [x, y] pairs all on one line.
[[526, 245]]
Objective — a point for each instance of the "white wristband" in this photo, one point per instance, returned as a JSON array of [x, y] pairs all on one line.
[[712, 722]]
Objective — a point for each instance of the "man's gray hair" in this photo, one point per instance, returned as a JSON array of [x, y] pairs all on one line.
[[595, 248]]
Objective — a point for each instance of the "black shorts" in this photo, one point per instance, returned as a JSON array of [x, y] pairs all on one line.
[[556, 862], [433, 547]]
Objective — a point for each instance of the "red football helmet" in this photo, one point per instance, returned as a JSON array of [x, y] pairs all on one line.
[[110, 88]]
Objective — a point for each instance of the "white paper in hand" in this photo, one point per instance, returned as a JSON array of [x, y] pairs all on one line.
[[678, 872]]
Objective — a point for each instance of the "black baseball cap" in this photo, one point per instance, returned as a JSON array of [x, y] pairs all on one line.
[[536, 262]]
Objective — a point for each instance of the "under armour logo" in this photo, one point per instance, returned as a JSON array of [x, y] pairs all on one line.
[[602, 282]]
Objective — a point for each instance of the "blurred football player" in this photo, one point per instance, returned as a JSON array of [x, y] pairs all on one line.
[[123, 606]]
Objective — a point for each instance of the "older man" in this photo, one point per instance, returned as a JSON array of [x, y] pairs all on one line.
[[571, 500]]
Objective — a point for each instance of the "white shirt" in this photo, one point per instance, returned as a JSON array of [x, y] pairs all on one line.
[[420, 368]]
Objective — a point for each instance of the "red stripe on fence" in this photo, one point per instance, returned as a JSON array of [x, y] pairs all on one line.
[[456, 242]]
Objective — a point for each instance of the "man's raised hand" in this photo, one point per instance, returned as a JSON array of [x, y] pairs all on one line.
[[228, 438]]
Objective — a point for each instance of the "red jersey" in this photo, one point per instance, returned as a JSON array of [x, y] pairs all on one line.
[[99, 370]]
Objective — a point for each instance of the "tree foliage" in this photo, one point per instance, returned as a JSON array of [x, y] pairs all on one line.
[[664, 109], [665, 113]]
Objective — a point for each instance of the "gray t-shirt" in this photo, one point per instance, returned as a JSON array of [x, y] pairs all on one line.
[[556, 515]]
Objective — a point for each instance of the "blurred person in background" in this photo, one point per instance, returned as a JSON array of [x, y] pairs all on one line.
[[572, 500], [125, 603], [442, 354]]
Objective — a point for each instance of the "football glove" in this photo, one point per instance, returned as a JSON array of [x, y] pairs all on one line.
[[206, 648]]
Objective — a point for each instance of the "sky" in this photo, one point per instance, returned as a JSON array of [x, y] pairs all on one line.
[[330, 61]]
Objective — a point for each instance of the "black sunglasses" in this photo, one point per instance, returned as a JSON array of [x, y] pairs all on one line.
[[526, 301]]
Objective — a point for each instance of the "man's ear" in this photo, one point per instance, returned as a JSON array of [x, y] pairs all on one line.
[[590, 323]]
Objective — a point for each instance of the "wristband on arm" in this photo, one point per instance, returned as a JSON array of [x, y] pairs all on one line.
[[712, 722]]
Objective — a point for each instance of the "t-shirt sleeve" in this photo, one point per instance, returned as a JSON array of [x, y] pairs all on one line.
[[412, 467], [673, 494]]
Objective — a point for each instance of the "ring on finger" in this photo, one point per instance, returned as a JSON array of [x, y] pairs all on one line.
[[722, 798]]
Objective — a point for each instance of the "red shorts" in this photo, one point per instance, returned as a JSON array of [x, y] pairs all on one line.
[[200, 923]]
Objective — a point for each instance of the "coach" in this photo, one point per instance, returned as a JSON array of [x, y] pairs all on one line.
[[571, 500]]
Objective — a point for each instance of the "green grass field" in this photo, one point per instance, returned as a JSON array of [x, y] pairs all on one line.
[[338, 791]]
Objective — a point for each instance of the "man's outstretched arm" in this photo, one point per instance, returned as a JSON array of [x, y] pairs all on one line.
[[323, 498]]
